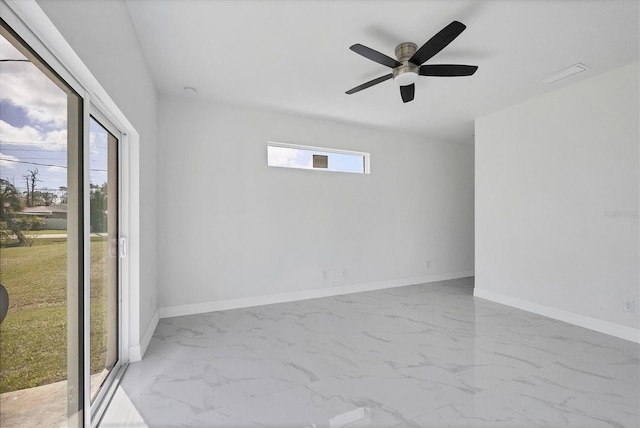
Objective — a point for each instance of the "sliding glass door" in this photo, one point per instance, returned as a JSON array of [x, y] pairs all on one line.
[[60, 324], [41, 250], [104, 253]]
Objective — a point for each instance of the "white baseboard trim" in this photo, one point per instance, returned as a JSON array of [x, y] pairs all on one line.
[[137, 352], [246, 302], [601, 326]]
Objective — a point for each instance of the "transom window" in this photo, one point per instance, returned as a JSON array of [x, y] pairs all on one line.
[[318, 158]]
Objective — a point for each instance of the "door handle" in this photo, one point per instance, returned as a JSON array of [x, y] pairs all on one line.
[[123, 247]]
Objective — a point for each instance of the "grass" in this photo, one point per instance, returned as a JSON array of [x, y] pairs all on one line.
[[48, 232], [33, 336], [13, 243], [38, 232]]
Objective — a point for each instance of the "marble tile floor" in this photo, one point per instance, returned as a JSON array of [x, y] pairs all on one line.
[[429, 355]]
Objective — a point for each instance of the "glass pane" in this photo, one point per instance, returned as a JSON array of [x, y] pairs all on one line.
[[303, 158], [103, 207], [40, 120]]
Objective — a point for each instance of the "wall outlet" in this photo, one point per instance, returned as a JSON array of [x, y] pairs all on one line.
[[325, 274], [428, 264], [344, 272], [630, 305]]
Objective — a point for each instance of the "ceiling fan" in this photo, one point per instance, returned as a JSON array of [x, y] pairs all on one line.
[[408, 66]]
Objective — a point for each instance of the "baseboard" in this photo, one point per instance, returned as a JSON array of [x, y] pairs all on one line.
[[246, 302], [601, 326], [137, 352]]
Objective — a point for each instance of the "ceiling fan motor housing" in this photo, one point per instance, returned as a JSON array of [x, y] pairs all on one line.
[[407, 73]]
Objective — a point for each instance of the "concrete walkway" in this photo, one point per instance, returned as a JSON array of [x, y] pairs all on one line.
[[41, 406]]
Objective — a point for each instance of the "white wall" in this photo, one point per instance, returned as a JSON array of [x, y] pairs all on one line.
[[102, 35], [548, 172], [233, 228]]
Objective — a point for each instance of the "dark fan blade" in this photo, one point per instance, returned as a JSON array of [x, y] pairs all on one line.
[[438, 42], [407, 92], [447, 70], [369, 84], [376, 56]]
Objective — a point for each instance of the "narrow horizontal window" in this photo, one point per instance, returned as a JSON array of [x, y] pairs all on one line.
[[319, 158]]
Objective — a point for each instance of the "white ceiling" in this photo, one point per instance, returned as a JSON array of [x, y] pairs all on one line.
[[294, 55]]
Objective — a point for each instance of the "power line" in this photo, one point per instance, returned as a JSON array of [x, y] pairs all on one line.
[[32, 163], [52, 151], [23, 143], [46, 158], [29, 150], [46, 164]]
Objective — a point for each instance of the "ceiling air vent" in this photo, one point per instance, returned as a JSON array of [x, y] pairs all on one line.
[[563, 74]]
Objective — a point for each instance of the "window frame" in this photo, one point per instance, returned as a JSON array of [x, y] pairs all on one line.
[[100, 402], [366, 157]]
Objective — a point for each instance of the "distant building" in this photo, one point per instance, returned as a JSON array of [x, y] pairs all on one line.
[[54, 216]]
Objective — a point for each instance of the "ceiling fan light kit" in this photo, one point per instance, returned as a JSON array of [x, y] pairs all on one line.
[[408, 65], [406, 73]]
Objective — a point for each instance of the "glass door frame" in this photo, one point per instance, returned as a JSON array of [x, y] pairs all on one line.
[[112, 380], [76, 255], [28, 21]]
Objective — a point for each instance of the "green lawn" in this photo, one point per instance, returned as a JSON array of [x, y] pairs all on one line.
[[11, 242], [33, 336], [38, 232], [48, 232]]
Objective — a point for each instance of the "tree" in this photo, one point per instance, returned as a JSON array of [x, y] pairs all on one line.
[[10, 203], [28, 192], [98, 207], [31, 180], [62, 194], [42, 198], [9, 199]]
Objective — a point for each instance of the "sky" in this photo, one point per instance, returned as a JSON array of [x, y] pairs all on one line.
[[33, 126], [302, 158]]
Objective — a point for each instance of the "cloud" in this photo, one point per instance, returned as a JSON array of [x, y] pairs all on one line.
[[28, 136], [8, 161], [8, 51], [57, 169], [25, 86], [287, 157], [98, 142]]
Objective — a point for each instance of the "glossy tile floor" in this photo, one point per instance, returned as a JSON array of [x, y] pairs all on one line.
[[420, 356]]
